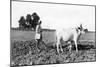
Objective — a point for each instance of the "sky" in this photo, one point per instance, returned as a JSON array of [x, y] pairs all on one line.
[[55, 16]]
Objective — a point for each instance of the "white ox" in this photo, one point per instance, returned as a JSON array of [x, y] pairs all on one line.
[[68, 35]]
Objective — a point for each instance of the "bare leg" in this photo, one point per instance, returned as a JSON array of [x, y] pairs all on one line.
[[37, 45], [36, 42]]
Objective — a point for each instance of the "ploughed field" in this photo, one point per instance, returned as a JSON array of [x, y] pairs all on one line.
[[24, 51]]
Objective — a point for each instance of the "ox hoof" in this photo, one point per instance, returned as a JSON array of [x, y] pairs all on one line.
[[76, 51], [61, 50]]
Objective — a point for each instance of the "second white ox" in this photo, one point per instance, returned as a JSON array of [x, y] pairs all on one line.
[[68, 35]]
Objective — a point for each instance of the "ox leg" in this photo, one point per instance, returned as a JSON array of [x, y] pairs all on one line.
[[76, 46], [70, 47], [58, 46], [61, 48]]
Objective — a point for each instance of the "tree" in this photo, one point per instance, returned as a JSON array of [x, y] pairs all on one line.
[[35, 20], [30, 22], [22, 22]]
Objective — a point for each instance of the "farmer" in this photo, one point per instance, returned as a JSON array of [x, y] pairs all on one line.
[[38, 33]]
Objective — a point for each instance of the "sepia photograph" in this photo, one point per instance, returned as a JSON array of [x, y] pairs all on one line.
[[44, 33]]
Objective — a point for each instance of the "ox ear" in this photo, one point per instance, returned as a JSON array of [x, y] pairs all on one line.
[[81, 26], [77, 29]]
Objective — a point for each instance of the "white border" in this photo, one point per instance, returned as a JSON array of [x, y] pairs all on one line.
[[5, 33]]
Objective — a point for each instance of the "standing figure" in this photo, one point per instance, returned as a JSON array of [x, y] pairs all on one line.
[[38, 33]]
